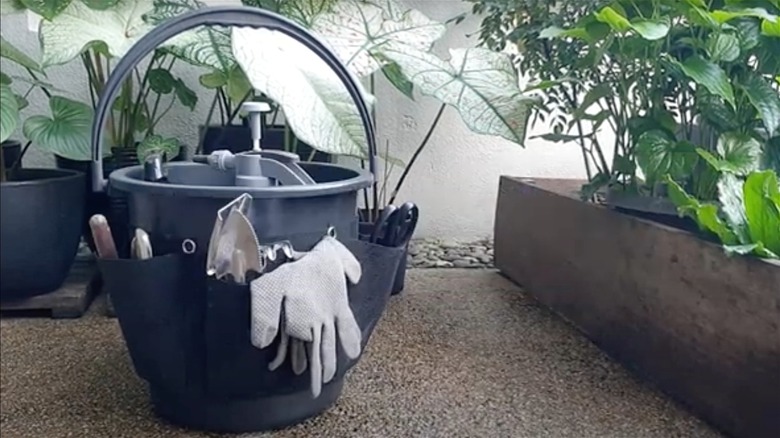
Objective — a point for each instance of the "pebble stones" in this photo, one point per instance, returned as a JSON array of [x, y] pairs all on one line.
[[432, 253]]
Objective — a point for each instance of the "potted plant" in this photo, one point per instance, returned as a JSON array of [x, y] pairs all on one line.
[[689, 91], [145, 99], [41, 208]]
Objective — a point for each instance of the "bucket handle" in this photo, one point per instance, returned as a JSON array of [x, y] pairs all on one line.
[[220, 16]]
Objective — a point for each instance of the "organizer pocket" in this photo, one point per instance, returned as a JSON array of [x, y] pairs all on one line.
[[157, 306]]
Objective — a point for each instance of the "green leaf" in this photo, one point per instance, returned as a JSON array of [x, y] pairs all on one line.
[[757, 249], [557, 138], [600, 91], [771, 158], [723, 47], [9, 112], [614, 19], [730, 196], [771, 28], [709, 75], [66, 133], [156, 144], [764, 98], [657, 155], [100, 5], [705, 215], [762, 208], [624, 165], [186, 96], [238, 85], [715, 111], [595, 184], [21, 102], [48, 9], [7, 50], [557, 32], [8, 7], [161, 81], [741, 151], [78, 27], [652, 29], [723, 16], [213, 80], [396, 77], [748, 33], [5, 79]]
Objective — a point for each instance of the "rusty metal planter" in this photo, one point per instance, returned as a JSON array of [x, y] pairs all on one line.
[[673, 308]]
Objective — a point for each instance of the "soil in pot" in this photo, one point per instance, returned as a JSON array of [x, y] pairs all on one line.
[[41, 214], [238, 138], [113, 207]]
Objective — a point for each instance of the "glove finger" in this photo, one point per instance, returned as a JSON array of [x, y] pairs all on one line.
[[349, 334], [315, 365], [281, 352], [298, 353], [351, 265], [266, 307], [328, 352]]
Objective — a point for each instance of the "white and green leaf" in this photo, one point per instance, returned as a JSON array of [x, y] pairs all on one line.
[[657, 155], [732, 203], [48, 9], [167, 148], [9, 112], [205, 46], [765, 99], [481, 84], [358, 30], [723, 47], [317, 106], [78, 27], [66, 132]]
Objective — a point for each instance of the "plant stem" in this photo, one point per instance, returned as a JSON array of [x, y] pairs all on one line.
[[417, 153], [33, 75]]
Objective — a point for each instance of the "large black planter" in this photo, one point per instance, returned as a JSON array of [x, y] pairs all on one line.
[[238, 138], [40, 229], [365, 228], [12, 151]]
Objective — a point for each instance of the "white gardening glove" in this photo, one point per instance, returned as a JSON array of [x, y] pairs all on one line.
[[297, 354], [316, 305]]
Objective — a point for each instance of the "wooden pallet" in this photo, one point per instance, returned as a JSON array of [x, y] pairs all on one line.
[[71, 300]]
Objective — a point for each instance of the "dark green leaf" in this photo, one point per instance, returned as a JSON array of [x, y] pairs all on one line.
[[5, 79], [48, 9], [21, 102], [161, 81], [213, 80], [657, 154], [624, 165], [748, 32], [7, 50], [709, 75], [66, 133], [705, 215], [238, 85], [9, 112], [155, 144], [741, 151], [557, 138], [185, 95], [715, 110], [723, 47], [600, 91], [765, 99], [396, 77], [771, 158], [762, 208], [100, 5]]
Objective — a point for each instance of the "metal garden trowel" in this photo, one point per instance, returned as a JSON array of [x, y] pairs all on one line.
[[234, 248]]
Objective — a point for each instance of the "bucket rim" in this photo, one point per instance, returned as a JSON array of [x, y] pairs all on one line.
[[130, 180]]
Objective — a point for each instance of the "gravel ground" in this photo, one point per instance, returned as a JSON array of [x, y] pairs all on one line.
[[436, 253]]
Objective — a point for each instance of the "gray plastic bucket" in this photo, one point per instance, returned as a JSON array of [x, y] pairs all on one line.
[[185, 207], [188, 334]]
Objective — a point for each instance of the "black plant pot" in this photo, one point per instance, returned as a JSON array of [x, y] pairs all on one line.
[[658, 209], [12, 151], [238, 138], [41, 214], [365, 228], [112, 205]]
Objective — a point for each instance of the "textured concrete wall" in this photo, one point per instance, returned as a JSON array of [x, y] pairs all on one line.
[[454, 182]]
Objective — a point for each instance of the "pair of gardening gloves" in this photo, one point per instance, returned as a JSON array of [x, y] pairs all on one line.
[[306, 302]]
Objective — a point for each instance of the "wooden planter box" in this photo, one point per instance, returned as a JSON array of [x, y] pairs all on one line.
[[674, 309]]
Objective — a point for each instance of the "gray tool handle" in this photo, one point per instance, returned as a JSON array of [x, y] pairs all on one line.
[[219, 16]]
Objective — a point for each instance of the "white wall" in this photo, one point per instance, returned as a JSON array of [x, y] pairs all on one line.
[[454, 182]]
